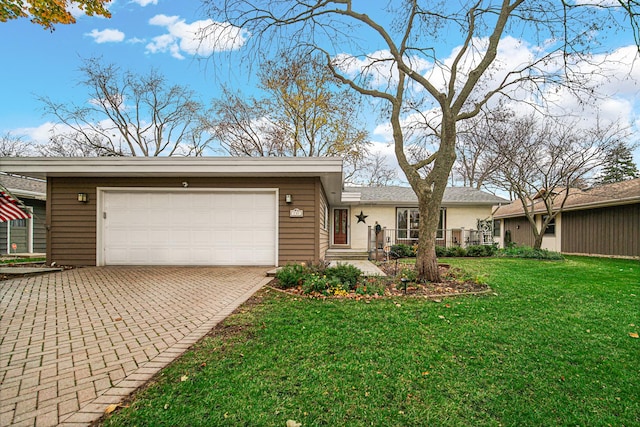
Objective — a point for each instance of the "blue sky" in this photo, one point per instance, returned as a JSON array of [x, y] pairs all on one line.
[[42, 63], [159, 33]]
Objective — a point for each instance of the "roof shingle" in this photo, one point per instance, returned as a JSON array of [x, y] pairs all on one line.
[[604, 195], [452, 196]]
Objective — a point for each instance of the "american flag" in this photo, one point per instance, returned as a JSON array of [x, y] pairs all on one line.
[[11, 208]]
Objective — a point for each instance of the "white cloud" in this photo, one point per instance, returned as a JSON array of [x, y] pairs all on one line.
[[40, 134], [199, 38], [136, 40], [144, 3], [106, 36], [378, 66]]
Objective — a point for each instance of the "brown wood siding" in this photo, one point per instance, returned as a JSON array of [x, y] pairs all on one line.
[[323, 223], [72, 233], [521, 233], [612, 231]]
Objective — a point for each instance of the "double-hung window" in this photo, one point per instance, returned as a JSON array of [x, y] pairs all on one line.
[[408, 223], [551, 227]]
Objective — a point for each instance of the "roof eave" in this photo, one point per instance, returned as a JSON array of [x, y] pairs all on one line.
[[592, 205], [328, 169]]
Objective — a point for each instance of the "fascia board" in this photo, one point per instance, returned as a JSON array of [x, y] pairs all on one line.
[[170, 166]]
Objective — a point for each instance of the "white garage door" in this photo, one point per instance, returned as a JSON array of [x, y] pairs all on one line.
[[189, 228]]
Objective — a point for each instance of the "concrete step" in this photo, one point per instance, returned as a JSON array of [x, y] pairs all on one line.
[[346, 254]]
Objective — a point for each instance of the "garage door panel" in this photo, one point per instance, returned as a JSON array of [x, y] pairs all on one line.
[[191, 228]]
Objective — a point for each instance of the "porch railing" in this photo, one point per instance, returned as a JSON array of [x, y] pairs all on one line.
[[387, 237]]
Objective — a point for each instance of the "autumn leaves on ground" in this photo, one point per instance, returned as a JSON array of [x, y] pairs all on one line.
[[557, 345]]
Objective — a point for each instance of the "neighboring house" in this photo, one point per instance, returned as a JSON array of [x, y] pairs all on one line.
[[464, 210], [603, 220], [224, 211], [25, 235]]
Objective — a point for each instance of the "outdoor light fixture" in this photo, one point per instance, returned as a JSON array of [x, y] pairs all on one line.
[[288, 198], [83, 197]]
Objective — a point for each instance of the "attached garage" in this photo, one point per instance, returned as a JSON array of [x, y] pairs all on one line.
[[199, 227], [186, 210]]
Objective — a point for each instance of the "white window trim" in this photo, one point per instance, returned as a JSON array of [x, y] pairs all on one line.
[[29, 232]]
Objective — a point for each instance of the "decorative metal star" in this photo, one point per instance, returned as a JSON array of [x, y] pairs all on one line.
[[361, 217]]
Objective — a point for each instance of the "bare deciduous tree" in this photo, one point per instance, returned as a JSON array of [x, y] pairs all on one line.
[[129, 114], [425, 92], [476, 159], [543, 161], [373, 171], [14, 146], [305, 112]]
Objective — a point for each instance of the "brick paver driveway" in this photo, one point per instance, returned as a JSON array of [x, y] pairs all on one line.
[[74, 342]]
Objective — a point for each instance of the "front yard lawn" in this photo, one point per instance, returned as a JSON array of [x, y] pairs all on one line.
[[555, 345]]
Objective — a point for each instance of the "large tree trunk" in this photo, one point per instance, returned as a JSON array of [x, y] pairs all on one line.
[[430, 191], [537, 243], [426, 260]]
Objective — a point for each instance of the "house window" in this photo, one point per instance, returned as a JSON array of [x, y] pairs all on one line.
[[408, 223], [551, 227], [496, 228], [19, 223]]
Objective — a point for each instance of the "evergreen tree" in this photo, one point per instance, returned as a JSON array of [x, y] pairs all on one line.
[[618, 165]]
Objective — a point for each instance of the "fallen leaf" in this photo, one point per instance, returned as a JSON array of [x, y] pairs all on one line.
[[111, 408], [184, 378], [117, 319], [292, 423], [425, 373], [441, 317], [634, 335], [166, 406]]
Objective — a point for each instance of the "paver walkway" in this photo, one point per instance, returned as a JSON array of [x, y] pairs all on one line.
[[74, 342]]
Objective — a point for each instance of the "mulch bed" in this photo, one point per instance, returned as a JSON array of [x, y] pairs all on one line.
[[450, 286]]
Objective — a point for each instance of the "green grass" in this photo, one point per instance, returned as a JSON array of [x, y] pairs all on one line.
[[10, 260], [552, 347]]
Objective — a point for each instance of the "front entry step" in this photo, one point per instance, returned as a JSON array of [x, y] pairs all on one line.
[[346, 254]]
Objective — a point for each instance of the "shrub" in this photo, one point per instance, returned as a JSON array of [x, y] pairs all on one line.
[[372, 286], [291, 275], [319, 284], [529, 252], [481, 250], [403, 251], [441, 251], [457, 251], [409, 273], [346, 274]]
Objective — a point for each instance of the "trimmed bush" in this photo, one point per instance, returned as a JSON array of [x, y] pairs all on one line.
[[529, 252], [481, 250], [291, 275], [403, 251], [457, 251], [346, 274]]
